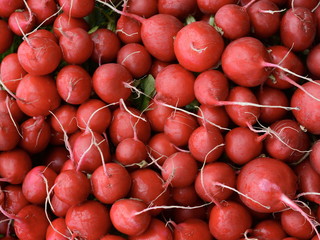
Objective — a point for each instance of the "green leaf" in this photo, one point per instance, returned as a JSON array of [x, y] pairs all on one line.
[[193, 106]]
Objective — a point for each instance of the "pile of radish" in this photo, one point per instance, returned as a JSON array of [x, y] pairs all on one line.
[[159, 119]]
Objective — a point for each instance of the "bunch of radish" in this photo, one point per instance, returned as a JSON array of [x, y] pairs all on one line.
[[159, 119]]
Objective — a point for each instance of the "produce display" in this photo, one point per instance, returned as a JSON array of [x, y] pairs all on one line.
[[159, 119]]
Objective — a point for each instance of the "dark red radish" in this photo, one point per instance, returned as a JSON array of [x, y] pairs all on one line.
[[308, 181], [4, 227], [264, 18], [57, 138], [309, 110], [185, 196], [63, 23], [9, 6], [211, 180], [148, 186], [110, 183], [43, 10], [198, 46], [109, 82], [36, 134], [179, 169], [64, 119], [157, 115], [124, 123], [192, 229], [37, 183], [233, 20], [14, 165], [37, 95], [212, 6], [144, 8], [213, 117], [131, 54], [168, 85], [242, 145], [311, 4], [59, 208], [131, 152], [76, 46], [270, 182], [7, 38], [160, 148], [312, 59], [315, 156], [272, 97], [295, 225], [206, 145], [287, 141], [106, 45], [182, 214], [242, 115], [9, 134], [285, 58], [9, 107], [126, 217], [93, 114], [229, 221], [90, 151], [39, 56], [77, 8], [58, 230], [55, 157], [14, 199], [128, 30], [11, 71], [112, 237], [157, 230], [89, 220], [180, 9], [72, 187], [269, 229], [22, 22], [298, 28], [74, 84]]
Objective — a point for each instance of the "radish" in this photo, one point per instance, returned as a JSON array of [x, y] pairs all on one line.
[[131, 152], [312, 58], [65, 119], [55, 157], [9, 6], [59, 208], [311, 4], [185, 196], [182, 214], [269, 229], [8, 128], [58, 230], [157, 115], [22, 22], [192, 229], [43, 10], [43, 33], [14, 199], [212, 6], [77, 8], [112, 237], [314, 156], [180, 9], [128, 30], [216, 115], [143, 8], [10, 108], [198, 46], [7, 38], [157, 66]]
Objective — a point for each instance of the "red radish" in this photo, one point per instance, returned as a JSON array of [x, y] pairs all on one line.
[[90, 151], [43, 10], [39, 56], [14, 199], [7, 38], [193, 211], [112, 237], [63, 23], [110, 183], [229, 221], [64, 119], [37, 183], [156, 230], [185, 196], [309, 110], [73, 84], [272, 96], [36, 133], [264, 18], [311, 4], [109, 82], [76, 46], [298, 28], [57, 138], [192, 229], [242, 145], [9, 6], [314, 156], [160, 148], [126, 217], [128, 30], [55, 157], [8, 128], [132, 53], [157, 67], [89, 220], [198, 46], [67, 187], [312, 58], [287, 141], [77, 8], [179, 169], [9, 107], [148, 186], [179, 127], [157, 115], [125, 123], [59, 208], [43, 33], [14, 165], [206, 145], [11, 72], [22, 22], [95, 115], [213, 117], [209, 180], [212, 6], [106, 46], [180, 9], [37, 95], [269, 229], [142, 8], [130, 152], [58, 230]]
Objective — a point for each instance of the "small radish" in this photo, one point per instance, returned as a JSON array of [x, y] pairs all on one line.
[[180, 9], [55, 157], [185, 196], [64, 119], [192, 229], [9, 6], [145, 8], [7, 38], [128, 30], [269, 229], [9, 135], [312, 58], [58, 230], [22, 22], [14, 198], [212, 6], [59, 208], [213, 117], [314, 156], [43, 10], [157, 115], [77, 8]]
